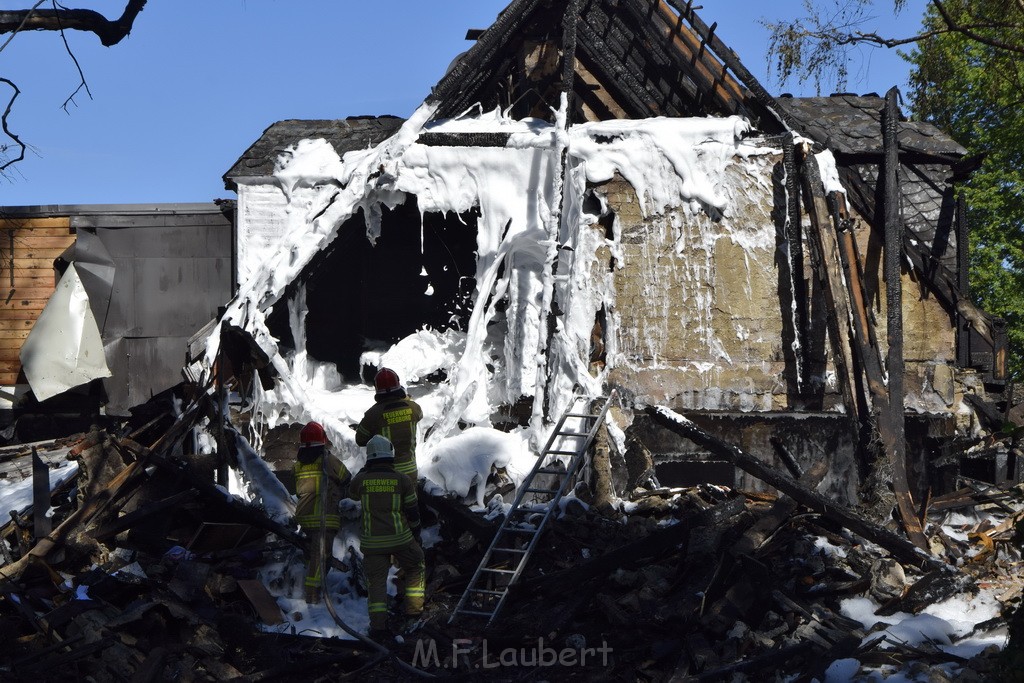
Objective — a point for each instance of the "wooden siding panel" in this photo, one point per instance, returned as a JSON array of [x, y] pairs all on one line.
[[59, 222], [27, 280]]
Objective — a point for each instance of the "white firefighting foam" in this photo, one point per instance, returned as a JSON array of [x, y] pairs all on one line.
[[535, 244]]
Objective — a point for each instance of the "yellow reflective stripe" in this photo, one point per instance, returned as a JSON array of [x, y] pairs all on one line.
[[367, 519], [377, 607], [396, 514]]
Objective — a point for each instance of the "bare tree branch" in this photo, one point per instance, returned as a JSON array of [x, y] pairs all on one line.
[[3, 123], [81, 75], [109, 32]]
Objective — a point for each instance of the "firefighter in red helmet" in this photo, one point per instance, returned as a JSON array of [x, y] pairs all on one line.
[[394, 416], [319, 478]]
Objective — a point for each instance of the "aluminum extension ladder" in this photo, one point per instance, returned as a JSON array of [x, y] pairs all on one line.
[[517, 536]]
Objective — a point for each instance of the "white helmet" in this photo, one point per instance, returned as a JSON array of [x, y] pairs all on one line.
[[379, 448]]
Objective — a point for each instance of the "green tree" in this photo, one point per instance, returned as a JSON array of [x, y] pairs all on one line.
[[967, 78], [974, 90]]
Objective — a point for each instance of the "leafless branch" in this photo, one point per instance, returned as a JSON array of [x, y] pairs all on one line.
[[81, 75], [7, 131], [109, 32]]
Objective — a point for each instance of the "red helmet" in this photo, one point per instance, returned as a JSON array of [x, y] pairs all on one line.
[[313, 434], [386, 380]]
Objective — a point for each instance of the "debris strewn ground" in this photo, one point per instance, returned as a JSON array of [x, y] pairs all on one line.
[[152, 572]]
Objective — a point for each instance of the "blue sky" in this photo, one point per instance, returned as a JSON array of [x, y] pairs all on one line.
[[198, 81]]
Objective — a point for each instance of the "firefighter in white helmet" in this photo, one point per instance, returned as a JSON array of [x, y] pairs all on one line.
[[390, 529]]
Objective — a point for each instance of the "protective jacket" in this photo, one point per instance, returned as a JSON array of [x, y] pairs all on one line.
[[390, 512], [310, 478], [394, 416]]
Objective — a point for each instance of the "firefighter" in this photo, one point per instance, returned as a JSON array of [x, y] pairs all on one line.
[[319, 479], [394, 416], [390, 528]]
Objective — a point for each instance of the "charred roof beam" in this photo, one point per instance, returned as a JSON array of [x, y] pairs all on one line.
[[458, 84], [630, 93], [730, 60], [643, 65]]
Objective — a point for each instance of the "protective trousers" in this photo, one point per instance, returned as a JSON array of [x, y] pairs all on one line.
[[320, 542], [411, 580]]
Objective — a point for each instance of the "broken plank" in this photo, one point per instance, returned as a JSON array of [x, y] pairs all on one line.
[[900, 548], [262, 601]]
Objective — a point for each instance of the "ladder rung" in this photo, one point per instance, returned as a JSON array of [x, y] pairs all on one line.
[[508, 550], [562, 452], [520, 531], [542, 490], [577, 435], [476, 612], [584, 415], [548, 471], [497, 571], [486, 592]]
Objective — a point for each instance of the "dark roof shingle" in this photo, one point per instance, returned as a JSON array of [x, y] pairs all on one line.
[[345, 135]]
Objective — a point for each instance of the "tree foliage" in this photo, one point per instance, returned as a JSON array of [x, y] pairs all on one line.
[[972, 86], [968, 79]]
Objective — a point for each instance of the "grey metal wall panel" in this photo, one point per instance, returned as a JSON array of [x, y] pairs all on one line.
[[155, 221], [182, 241], [167, 282], [177, 296], [146, 366], [120, 321]]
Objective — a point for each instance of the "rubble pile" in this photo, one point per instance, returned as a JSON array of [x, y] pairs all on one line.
[[151, 572]]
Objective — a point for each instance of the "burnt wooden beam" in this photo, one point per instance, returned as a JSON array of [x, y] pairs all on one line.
[[592, 90], [892, 426], [963, 357], [795, 252], [650, 29], [431, 139], [730, 60], [786, 457], [486, 49], [904, 551], [570, 19], [780, 511], [630, 92], [863, 324], [125, 522], [825, 261], [41, 522]]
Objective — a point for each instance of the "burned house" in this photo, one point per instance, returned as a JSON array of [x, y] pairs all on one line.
[[596, 201], [598, 196]]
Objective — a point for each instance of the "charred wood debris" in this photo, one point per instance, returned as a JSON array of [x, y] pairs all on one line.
[[142, 568]]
